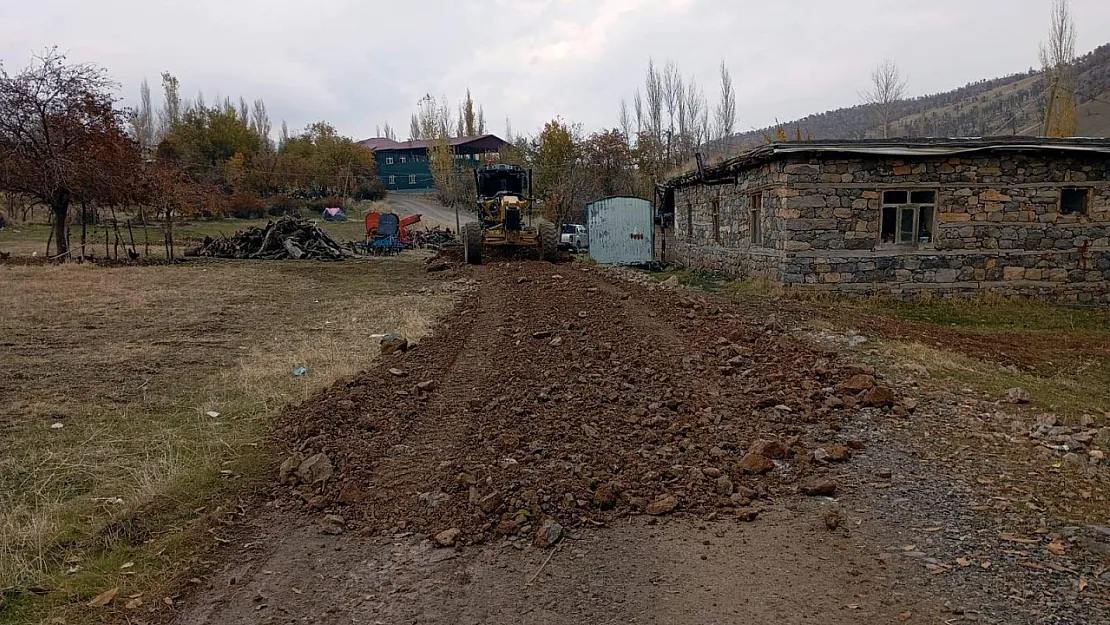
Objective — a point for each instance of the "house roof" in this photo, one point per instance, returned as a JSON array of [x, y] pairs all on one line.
[[724, 171], [383, 144]]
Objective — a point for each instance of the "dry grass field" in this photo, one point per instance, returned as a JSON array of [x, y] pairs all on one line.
[[134, 403]]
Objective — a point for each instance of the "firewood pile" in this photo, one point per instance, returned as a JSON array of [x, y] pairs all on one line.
[[433, 238], [287, 238]]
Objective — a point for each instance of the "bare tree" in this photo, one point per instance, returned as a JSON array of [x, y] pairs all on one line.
[[696, 107], [284, 134], [887, 88], [414, 128], [170, 114], [726, 107], [653, 98], [625, 121], [260, 122], [638, 106], [672, 86], [1057, 61], [388, 132], [481, 121], [142, 121]]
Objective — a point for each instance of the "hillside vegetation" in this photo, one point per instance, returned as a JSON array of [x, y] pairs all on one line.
[[1010, 105]]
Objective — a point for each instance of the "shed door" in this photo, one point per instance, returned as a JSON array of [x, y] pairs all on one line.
[[621, 231]]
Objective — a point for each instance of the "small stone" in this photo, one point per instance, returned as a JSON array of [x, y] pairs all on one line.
[[490, 502], [1016, 396], [605, 496], [466, 479], [508, 442], [755, 464], [542, 334], [879, 397], [884, 474], [397, 373], [333, 524], [426, 386], [834, 403], [724, 486], [662, 505], [287, 474], [711, 472], [832, 520], [910, 404], [820, 455], [858, 383], [557, 341], [549, 534], [838, 453], [352, 494], [747, 516], [315, 469], [822, 487], [768, 449], [447, 538], [393, 343]]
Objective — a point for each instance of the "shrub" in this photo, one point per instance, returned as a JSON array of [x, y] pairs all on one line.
[[284, 205], [3, 220], [245, 207]]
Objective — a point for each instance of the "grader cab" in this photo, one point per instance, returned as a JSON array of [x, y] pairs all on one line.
[[505, 215]]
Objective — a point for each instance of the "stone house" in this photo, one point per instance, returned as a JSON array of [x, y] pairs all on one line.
[[1014, 215]]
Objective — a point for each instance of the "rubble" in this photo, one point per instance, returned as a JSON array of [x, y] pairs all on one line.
[[287, 238]]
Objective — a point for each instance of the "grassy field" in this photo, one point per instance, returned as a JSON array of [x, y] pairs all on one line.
[[31, 238], [133, 402], [1059, 354]]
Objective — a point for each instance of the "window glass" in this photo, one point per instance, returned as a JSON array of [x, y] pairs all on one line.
[[923, 197], [1073, 201], [925, 225], [905, 225], [895, 197], [889, 225]]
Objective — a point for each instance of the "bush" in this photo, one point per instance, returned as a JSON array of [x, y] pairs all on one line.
[[3, 220], [244, 206], [371, 191], [284, 205]]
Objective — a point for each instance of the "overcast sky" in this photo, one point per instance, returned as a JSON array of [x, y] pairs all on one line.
[[359, 63]]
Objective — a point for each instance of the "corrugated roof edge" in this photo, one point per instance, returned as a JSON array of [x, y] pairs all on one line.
[[902, 147]]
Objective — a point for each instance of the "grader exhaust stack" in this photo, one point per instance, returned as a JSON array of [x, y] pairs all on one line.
[[505, 217]]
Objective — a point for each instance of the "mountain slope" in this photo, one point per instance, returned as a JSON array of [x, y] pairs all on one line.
[[1010, 105]]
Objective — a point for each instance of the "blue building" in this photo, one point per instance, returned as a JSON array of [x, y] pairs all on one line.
[[403, 165]]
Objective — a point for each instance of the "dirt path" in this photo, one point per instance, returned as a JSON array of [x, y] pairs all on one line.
[[434, 214], [619, 423]]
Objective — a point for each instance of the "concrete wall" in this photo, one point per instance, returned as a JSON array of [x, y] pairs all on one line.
[[997, 225]]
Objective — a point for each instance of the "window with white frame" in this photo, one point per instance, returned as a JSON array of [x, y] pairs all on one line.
[[403, 159], [907, 217], [412, 178], [393, 180], [389, 160]]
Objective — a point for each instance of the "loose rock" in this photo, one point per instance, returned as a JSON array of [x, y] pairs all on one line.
[[333, 524], [447, 537], [393, 343], [549, 534], [662, 506], [755, 464], [822, 487]]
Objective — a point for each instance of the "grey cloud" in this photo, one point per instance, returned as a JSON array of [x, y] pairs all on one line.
[[358, 64]]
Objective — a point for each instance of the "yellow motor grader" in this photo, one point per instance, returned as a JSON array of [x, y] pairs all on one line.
[[505, 215]]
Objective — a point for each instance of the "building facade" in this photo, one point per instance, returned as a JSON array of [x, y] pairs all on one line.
[[1025, 216], [403, 166]]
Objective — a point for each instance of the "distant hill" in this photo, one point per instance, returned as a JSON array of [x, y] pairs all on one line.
[[1001, 106]]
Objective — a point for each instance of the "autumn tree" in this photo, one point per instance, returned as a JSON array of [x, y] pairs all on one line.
[[1058, 66], [887, 89], [62, 139]]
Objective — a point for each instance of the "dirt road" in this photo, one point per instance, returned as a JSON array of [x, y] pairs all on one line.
[[585, 450], [434, 214]]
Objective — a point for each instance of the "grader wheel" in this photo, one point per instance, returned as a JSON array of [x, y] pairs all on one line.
[[472, 243], [549, 242]]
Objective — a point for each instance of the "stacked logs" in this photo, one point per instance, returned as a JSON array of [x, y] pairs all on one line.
[[288, 238]]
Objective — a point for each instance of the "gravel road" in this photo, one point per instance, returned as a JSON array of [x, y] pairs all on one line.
[[572, 447]]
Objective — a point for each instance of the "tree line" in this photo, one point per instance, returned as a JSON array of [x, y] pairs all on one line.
[[65, 139]]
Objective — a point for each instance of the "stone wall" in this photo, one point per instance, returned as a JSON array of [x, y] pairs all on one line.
[[997, 225]]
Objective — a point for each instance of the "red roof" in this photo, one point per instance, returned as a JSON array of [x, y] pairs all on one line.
[[491, 142]]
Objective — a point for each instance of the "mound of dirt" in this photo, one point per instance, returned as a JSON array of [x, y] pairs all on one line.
[[556, 394]]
